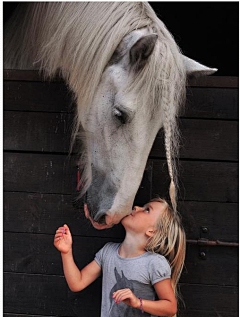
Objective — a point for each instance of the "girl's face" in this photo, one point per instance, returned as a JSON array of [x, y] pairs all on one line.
[[143, 218]]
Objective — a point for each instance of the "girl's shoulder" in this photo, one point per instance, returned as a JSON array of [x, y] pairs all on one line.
[[158, 258], [106, 252], [158, 268], [110, 247]]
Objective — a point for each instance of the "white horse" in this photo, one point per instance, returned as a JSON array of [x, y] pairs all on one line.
[[128, 76]]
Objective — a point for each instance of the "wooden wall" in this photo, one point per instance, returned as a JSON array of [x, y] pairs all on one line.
[[40, 183]]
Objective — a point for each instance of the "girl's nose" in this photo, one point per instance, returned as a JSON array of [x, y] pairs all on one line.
[[136, 209]]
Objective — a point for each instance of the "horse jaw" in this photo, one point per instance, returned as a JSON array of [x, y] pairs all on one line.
[[196, 69]]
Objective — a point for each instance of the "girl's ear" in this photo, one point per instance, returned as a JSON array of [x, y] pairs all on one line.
[[150, 232]]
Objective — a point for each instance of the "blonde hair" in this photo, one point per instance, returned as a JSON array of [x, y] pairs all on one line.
[[169, 240]]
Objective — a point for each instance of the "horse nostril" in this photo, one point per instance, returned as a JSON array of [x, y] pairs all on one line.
[[102, 220]]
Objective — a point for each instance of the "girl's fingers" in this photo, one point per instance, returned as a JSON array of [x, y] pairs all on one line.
[[56, 242], [121, 290], [60, 230], [58, 235], [123, 297], [66, 229], [123, 293], [63, 230]]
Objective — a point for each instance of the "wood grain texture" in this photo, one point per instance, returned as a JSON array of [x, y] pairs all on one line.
[[203, 140], [47, 294], [199, 180], [37, 131], [212, 103], [35, 254], [39, 173], [53, 297], [210, 297], [209, 103], [23, 315], [216, 181], [37, 96], [51, 132], [35, 75], [190, 313], [41, 213]]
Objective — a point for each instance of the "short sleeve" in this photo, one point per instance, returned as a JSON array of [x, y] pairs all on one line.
[[159, 269], [101, 254]]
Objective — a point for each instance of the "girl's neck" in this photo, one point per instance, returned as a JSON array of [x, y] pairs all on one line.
[[132, 246]]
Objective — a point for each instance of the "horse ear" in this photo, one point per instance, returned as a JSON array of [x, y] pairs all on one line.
[[141, 50], [196, 69], [118, 277]]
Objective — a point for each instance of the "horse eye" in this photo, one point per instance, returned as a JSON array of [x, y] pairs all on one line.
[[120, 115]]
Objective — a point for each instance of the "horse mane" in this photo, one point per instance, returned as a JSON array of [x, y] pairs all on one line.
[[77, 41]]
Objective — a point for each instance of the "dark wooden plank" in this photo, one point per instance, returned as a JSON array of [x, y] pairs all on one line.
[[37, 96], [203, 139], [35, 254], [210, 297], [199, 180], [34, 75], [221, 219], [23, 315], [41, 213], [203, 313], [214, 81], [184, 313], [51, 132], [48, 295], [34, 131], [219, 267], [46, 173], [39, 173], [215, 103], [26, 75], [41, 294]]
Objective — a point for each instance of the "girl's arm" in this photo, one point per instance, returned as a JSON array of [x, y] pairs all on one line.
[[77, 280], [166, 306]]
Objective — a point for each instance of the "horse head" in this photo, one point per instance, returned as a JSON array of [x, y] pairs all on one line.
[[122, 123]]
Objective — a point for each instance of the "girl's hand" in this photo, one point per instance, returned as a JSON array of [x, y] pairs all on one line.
[[63, 239], [126, 295]]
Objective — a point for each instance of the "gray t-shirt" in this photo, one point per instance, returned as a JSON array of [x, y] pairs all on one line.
[[139, 274]]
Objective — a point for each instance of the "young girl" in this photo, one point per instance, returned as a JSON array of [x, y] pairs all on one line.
[[140, 274]]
